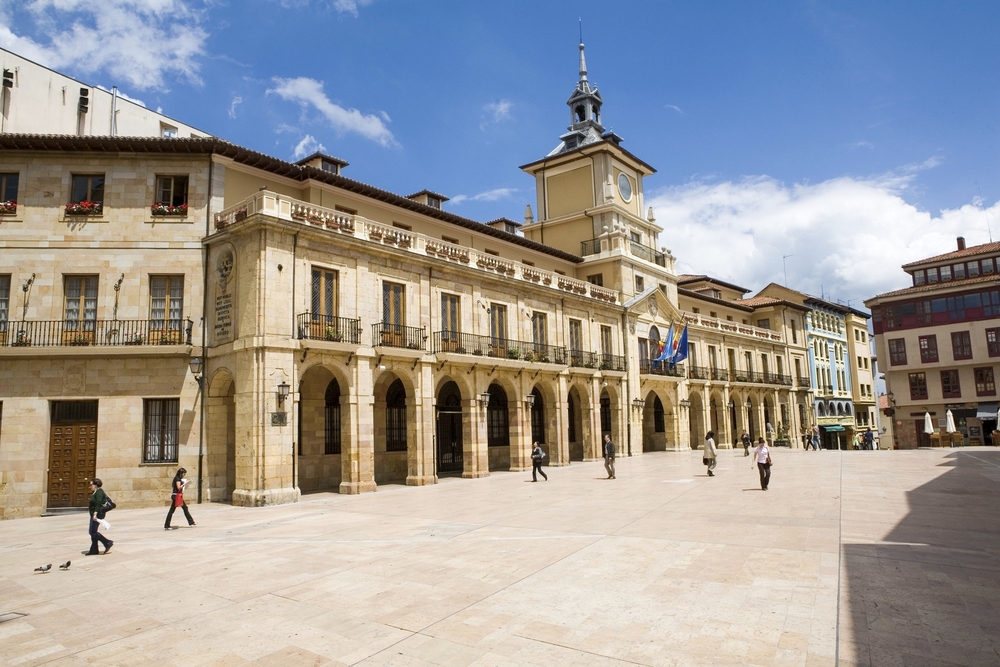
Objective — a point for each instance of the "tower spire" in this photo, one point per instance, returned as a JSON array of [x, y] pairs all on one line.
[[583, 60]]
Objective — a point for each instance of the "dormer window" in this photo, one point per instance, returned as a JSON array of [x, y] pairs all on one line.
[[331, 167], [919, 277], [434, 202]]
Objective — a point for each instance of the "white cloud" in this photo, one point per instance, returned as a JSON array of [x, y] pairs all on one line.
[[140, 42], [124, 97], [232, 107], [675, 108], [846, 236], [496, 112], [490, 195], [309, 92], [350, 6], [861, 144], [307, 146]]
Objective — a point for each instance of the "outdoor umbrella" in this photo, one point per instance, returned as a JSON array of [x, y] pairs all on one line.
[[950, 423], [928, 424]]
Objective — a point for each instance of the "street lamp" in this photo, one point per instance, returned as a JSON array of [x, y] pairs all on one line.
[[638, 403], [283, 390], [529, 400], [196, 365], [484, 399]]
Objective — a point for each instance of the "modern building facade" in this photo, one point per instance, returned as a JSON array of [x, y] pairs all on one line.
[[938, 341]]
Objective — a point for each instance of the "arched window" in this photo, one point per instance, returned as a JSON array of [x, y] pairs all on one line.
[[654, 343], [605, 413], [581, 114], [571, 410], [395, 417], [537, 417], [821, 409], [497, 433], [658, 421], [331, 428]]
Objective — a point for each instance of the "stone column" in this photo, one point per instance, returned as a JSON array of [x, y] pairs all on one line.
[[559, 450], [475, 453], [420, 458], [520, 435], [357, 458], [594, 440]]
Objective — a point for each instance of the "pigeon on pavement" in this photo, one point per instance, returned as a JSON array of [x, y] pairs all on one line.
[[44, 568], [65, 566]]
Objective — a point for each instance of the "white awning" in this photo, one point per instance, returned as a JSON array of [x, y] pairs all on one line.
[[986, 411]]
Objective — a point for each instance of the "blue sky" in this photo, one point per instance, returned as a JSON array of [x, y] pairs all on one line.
[[849, 137]]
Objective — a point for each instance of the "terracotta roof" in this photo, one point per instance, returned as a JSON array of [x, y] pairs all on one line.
[[324, 156], [212, 145], [956, 254], [686, 278], [429, 193], [711, 299], [883, 402], [930, 287]]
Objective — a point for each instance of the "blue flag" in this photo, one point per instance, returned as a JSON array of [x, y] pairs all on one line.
[[667, 348], [681, 350]]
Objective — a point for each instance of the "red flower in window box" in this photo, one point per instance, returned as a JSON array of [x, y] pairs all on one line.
[[8, 207], [160, 208], [85, 208]]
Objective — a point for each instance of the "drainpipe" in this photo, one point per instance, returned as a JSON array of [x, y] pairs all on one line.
[[204, 332], [628, 397], [296, 405]]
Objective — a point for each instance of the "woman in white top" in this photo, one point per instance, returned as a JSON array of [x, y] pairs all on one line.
[[708, 457], [762, 456]]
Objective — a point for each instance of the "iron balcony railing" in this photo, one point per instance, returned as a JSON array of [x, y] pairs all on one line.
[[591, 247], [80, 333], [313, 326], [397, 335], [598, 360], [647, 367], [804, 382], [498, 348], [649, 254], [699, 373], [720, 374]]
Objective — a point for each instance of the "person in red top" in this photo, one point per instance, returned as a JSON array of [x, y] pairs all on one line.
[[177, 499]]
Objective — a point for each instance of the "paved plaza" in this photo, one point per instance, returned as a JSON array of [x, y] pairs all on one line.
[[662, 566]]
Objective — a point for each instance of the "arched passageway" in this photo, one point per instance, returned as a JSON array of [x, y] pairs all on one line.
[[320, 431], [449, 429], [498, 428], [220, 428]]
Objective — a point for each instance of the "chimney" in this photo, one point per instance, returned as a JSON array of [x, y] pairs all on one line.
[[961, 243]]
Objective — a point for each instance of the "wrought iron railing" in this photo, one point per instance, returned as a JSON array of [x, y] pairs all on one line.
[[98, 333], [313, 326], [804, 382], [397, 335], [597, 360], [591, 247], [647, 367], [503, 348], [699, 373], [720, 374], [649, 254]]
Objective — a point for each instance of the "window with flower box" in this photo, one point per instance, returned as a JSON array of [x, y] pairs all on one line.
[[86, 195], [985, 386], [897, 351], [950, 387], [961, 344], [928, 349], [918, 386], [8, 193], [171, 196]]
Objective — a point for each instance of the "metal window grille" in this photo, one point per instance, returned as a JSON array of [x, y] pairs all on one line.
[[324, 293], [606, 413], [392, 304], [395, 418], [160, 430], [575, 335], [537, 419], [68, 412], [331, 419], [497, 431], [538, 329], [449, 317]]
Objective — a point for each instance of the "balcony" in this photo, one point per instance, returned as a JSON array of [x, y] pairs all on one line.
[[803, 382], [603, 362], [699, 373], [96, 333], [339, 224], [647, 367], [313, 326], [756, 377], [649, 254], [456, 342], [728, 327], [397, 335]]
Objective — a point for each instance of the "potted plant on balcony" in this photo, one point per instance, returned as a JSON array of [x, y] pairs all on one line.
[[80, 339], [413, 346], [605, 366], [334, 335], [477, 352], [8, 207], [513, 353], [134, 339], [460, 350], [543, 358], [85, 208], [528, 356], [162, 209], [21, 339]]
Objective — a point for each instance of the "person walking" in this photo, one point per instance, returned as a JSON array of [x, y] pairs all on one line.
[[97, 498], [745, 439], [815, 438], [869, 439], [609, 456], [177, 499], [762, 456], [536, 462], [708, 458]]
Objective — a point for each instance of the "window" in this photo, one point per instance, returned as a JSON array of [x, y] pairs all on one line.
[[932, 275], [4, 303], [795, 334], [779, 365], [81, 302], [961, 345], [729, 318], [945, 273], [159, 430], [606, 340], [640, 284], [749, 359], [696, 310], [798, 367], [959, 271], [764, 324], [539, 329], [993, 342], [168, 131], [393, 305], [8, 187], [928, 350], [449, 317], [324, 293], [712, 313], [950, 387], [433, 202], [344, 209], [395, 417], [918, 387], [448, 239], [897, 351], [973, 269], [987, 266], [331, 422], [919, 277], [596, 279], [495, 253], [984, 382], [87, 188], [172, 190], [575, 335], [636, 237], [405, 228], [498, 323], [166, 302], [527, 263]]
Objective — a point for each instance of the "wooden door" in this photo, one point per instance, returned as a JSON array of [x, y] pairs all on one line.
[[72, 453]]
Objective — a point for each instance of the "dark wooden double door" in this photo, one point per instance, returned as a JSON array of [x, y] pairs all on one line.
[[72, 453], [449, 429]]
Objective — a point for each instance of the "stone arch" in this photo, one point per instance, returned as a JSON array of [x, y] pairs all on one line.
[[654, 423], [393, 425], [696, 419], [719, 417], [501, 420], [220, 432], [579, 427], [318, 460], [451, 429]]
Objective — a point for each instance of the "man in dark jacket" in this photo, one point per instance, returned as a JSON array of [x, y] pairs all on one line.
[[536, 462], [97, 497], [609, 456]]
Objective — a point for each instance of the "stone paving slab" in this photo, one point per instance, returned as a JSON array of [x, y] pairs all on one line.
[[663, 566]]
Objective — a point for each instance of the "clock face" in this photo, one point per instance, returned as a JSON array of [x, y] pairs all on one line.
[[625, 187]]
